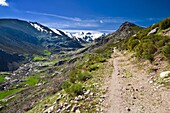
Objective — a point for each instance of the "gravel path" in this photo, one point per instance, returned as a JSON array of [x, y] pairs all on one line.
[[130, 89]]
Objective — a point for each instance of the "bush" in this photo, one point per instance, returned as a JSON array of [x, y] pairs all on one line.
[[73, 76], [74, 89], [166, 51], [132, 44], [84, 76], [101, 59], [165, 24], [94, 67], [47, 53], [66, 85], [148, 51], [38, 58], [2, 79]]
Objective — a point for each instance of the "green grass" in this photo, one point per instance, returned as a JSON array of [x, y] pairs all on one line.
[[2, 78], [94, 67], [38, 58], [31, 80], [4, 94], [47, 53]]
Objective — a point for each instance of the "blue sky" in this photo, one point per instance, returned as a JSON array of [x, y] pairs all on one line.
[[86, 14]]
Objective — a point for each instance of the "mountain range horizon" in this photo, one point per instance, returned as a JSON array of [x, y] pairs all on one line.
[[84, 56]]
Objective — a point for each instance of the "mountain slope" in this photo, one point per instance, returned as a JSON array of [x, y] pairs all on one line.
[[31, 37], [22, 37], [74, 81], [86, 37], [151, 41], [126, 30]]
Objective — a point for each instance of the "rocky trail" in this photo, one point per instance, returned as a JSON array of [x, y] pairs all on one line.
[[130, 89]]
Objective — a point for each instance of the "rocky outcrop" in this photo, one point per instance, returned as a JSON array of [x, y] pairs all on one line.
[[153, 31]]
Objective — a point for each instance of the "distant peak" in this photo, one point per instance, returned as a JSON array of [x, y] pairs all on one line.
[[126, 25]]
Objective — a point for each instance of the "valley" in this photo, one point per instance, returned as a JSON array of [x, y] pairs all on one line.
[[45, 70]]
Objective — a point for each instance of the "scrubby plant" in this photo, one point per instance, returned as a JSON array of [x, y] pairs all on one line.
[[73, 75], [75, 89], [133, 43], [165, 24], [84, 76], [38, 58], [2, 79], [66, 84], [47, 53], [166, 51], [94, 67]]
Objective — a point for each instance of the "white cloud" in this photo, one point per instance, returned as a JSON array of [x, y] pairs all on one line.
[[101, 21], [68, 24], [3, 3], [54, 15]]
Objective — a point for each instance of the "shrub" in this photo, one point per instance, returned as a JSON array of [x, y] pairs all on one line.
[[73, 76], [132, 44], [166, 51], [84, 76], [148, 51], [94, 67], [47, 53], [75, 89], [102, 59], [66, 85], [165, 24], [38, 58], [2, 79]]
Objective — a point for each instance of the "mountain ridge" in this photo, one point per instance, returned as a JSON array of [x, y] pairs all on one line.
[[23, 37], [67, 82]]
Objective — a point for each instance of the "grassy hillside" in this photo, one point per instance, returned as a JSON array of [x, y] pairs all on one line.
[[73, 80], [147, 45]]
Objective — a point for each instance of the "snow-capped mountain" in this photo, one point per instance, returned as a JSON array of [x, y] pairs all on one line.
[[44, 29], [85, 36]]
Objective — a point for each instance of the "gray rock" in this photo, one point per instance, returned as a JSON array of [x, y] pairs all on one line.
[[87, 92], [165, 74], [58, 111], [67, 107], [49, 110], [153, 31], [74, 108], [78, 111]]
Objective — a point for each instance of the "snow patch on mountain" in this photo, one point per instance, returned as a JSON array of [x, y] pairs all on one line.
[[38, 27], [56, 31], [85, 35]]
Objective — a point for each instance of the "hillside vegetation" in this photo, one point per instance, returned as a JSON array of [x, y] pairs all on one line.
[[72, 81], [151, 41]]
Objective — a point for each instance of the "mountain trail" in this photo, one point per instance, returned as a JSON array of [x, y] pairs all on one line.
[[131, 91]]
